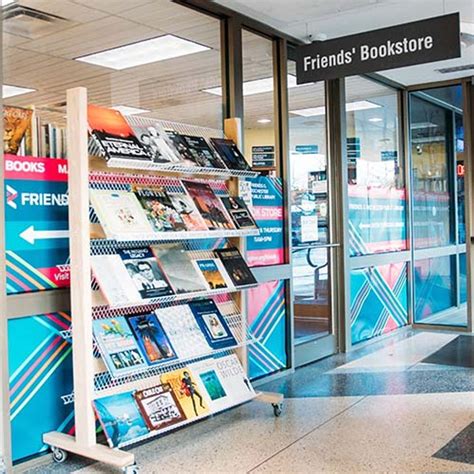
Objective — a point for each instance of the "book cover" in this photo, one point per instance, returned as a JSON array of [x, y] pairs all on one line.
[[234, 379], [183, 330], [209, 205], [145, 273], [189, 395], [151, 338], [176, 264], [120, 419], [186, 208], [159, 407], [114, 281], [16, 122], [118, 346], [212, 324], [230, 154], [202, 153], [186, 157], [114, 135], [159, 209], [209, 382], [212, 271], [119, 212], [236, 266], [239, 212]]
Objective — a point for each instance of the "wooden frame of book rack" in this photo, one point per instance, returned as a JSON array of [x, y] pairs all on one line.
[[84, 443]]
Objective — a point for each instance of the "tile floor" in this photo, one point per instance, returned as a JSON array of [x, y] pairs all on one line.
[[383, 408]]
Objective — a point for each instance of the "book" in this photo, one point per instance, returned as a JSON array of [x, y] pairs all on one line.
[[239, 212], [114, 280], [159, 407], [118, 346], [230, 154], [186, 208], [236, 267], [213, 273], [190, 397], [159, 209], [201, 152], [120, 419], [186, 157], [145, 273], [16, 123], [208, 380], [234, 379], [176, 264], [119, 212], [212, 324], [151, 338], [183, 330], [209, 206], [114, 136]]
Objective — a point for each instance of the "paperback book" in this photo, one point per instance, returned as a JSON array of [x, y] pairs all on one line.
[[239, 212], [236, 267], [209, 382], [176, 264], [202, 152], [188, 212], [190, 397], [118, 346], [114, 136], [159, 209], [145, 273], [184, 332], [119, 212], [209, 205], [120, 419], [213, 273], [212, 324], [159, 407], [152, 339], [114, 280], [16, 123], [230, 154]]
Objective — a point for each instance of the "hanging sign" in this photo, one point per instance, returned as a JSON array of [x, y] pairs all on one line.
[[419, 42]]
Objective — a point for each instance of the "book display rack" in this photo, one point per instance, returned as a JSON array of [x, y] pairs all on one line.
[[179, 338]]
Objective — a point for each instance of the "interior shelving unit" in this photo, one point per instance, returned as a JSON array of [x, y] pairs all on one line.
[[91, 378]]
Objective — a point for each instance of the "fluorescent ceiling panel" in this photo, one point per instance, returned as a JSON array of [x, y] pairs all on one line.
[[144, 52], [350, 107], [467, 28], [126, 110], [257, 86], [12, 91], [6, 2], [423, 125], [375, 119], [264, 120]]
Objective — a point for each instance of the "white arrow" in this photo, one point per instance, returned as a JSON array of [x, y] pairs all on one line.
[[30, 234]]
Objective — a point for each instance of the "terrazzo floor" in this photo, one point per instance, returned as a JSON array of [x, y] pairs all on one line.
[[384, 408]]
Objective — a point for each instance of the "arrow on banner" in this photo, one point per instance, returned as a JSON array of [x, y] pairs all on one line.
[[31, 235]]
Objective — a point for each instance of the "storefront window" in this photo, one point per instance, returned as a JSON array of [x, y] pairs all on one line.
[[376, 191]]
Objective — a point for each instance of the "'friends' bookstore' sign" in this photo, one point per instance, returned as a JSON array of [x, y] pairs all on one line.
[[419, 42]]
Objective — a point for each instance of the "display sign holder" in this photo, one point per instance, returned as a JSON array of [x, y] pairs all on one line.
[[89, 380]]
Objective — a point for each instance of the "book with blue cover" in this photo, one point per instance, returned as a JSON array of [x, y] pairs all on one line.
[[212, 324], [152, 339], [118, 346]]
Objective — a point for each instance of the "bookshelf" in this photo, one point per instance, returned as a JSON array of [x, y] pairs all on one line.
[[92, 379]]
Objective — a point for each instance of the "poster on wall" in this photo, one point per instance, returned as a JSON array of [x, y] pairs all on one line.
[[264, 196], [41, 382], [36, 224]]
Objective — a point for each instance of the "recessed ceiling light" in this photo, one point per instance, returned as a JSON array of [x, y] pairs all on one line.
[[264, 120], [375, 119], [467, 28], [12, 91], [126, 110], [350, 107], [257, 86], [144, 52]]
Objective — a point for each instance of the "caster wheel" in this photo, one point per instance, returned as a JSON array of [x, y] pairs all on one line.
[[59, 455], [277, 409], [133, 469]]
